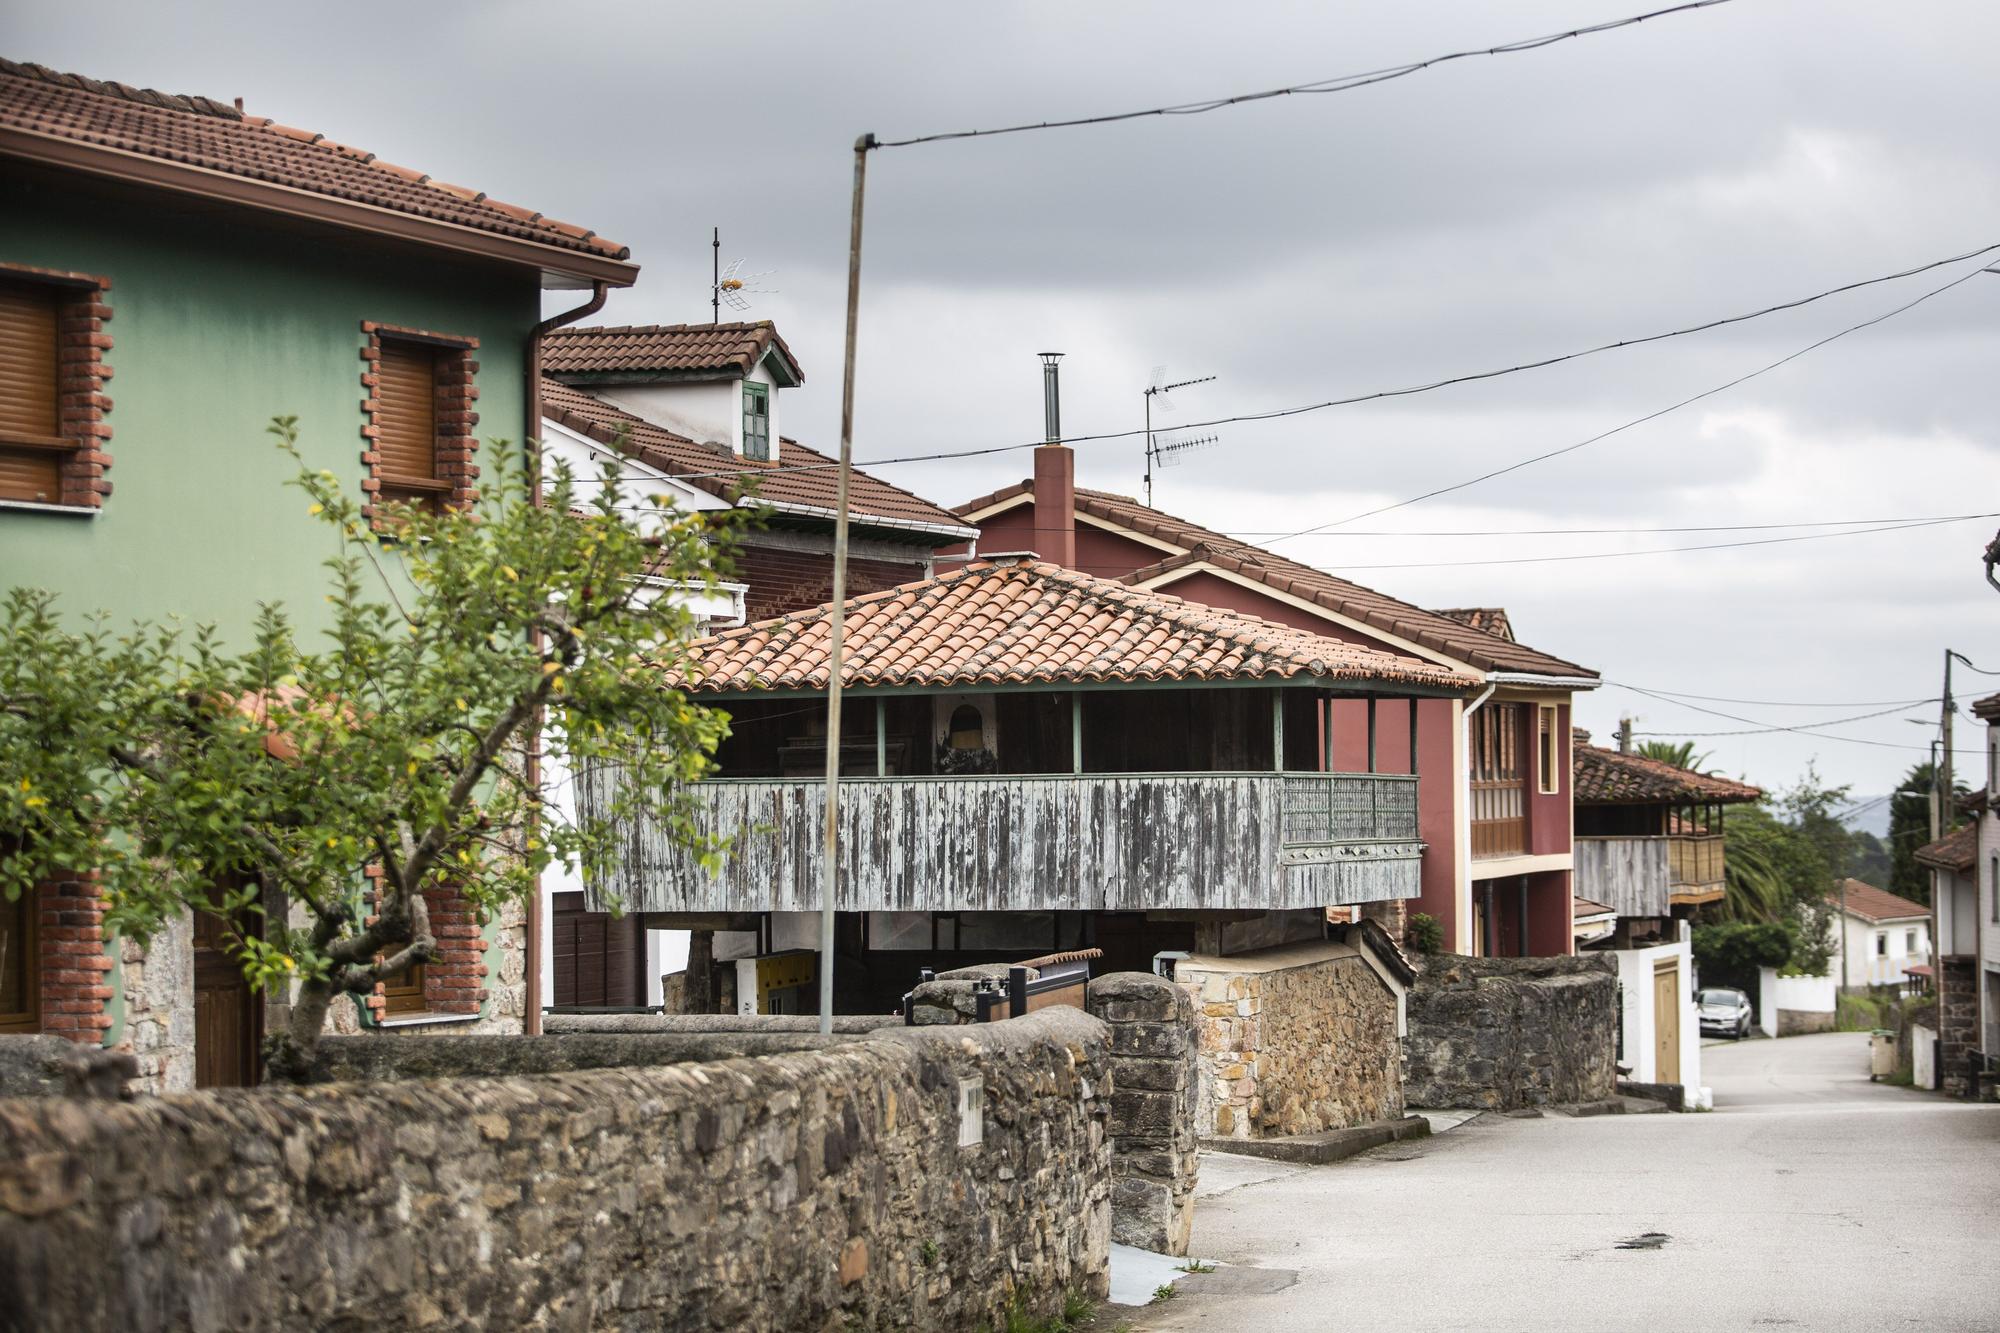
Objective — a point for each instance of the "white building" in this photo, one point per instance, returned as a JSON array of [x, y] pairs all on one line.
[[1882, 937]]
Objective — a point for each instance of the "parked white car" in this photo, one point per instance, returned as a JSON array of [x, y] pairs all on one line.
[[1724, 1012]]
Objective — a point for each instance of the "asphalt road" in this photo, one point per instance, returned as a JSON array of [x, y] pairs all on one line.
[[1810, 1199]]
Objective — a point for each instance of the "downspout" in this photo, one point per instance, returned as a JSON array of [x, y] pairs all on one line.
[[1463, 781], [531, 436]]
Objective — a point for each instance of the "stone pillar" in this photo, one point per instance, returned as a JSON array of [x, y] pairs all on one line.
[[1957, 1020], [1154, 1083]]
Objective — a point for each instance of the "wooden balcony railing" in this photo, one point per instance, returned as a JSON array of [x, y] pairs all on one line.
[[1113, 842]]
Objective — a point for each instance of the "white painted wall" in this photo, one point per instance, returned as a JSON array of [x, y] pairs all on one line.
[[1812, 995], [1865, 967], [706, 411], [1638, 1023]]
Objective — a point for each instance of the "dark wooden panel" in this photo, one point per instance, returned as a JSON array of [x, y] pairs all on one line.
[[598, 960], [227, 1024], [28, 361]]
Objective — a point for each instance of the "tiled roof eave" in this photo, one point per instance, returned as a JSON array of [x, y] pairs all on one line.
[[291, 201]]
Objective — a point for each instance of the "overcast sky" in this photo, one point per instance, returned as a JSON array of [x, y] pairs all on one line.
[[1478, 214]]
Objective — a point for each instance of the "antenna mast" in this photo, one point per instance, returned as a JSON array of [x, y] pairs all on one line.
[[1154, 451], [715, 280]]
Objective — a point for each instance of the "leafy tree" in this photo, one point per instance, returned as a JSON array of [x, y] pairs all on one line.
[[1783, 865], [1678, 753], [1734, 953], [278, 780], [1910, 829], [1871, 863]]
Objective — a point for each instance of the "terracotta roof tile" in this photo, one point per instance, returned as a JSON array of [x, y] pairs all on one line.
[[1987, 709], [1583, 907], [1957, 850], [662, 351], [202, 132], [1428, 629], [1486, 619], [1872, 904], [800, 477], [1606, 777], [1022, 622]]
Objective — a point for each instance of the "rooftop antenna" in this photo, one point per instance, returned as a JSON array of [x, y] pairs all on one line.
[[1179, 445], [731, 286]]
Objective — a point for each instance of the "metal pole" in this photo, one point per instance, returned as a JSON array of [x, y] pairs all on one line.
[[715, 279], [1149, 448], [828, 848]]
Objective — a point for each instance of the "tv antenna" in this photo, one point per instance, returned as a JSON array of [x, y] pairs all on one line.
[[1169, 451], [731, 286]]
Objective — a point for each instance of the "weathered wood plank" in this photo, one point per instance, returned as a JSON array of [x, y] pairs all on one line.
[[1121, 842], [1629, 875]]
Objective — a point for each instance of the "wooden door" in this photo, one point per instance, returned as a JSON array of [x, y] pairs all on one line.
[[1667, 1023], [228, 1021], [599, 960]]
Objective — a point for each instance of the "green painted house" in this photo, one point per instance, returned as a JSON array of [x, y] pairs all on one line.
[[173, 274]]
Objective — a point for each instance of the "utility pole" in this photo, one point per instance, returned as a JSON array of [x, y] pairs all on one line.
[[1624, 735], [829, 878]]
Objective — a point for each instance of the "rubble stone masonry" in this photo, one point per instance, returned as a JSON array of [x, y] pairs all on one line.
[[1293, 1040], [1154, 1151], [829, 1189], [1501, 1034]]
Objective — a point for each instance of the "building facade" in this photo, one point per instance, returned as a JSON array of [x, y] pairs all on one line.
[[1495, 805], [175, 273]]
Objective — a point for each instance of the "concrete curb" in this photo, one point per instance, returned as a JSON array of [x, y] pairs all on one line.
[[1324, 1148]]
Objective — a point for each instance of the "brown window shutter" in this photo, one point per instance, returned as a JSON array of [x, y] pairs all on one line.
[[29, 414], [407, 418]]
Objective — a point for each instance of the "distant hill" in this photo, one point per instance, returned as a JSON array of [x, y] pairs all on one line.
[[1870, 815]]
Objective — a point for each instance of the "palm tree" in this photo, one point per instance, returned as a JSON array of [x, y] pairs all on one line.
[[1678, 753]]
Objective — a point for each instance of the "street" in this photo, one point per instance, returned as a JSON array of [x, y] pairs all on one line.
[[1810, 1199]]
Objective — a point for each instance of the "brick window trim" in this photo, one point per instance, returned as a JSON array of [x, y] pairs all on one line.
[[73, 965], [455, 975], [457, 391], [81, 371]]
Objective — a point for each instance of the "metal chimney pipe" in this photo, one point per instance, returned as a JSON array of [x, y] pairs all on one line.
[[1051, 399]]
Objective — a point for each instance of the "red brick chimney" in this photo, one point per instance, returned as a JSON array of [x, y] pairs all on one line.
[[1055, 478]]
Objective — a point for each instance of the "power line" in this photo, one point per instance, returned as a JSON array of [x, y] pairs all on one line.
[[1640, 421], [1781, 703], [1759, 731], [1338, 84], [1413, 389], [1763, 727], [1246, 534], [1664, 550]]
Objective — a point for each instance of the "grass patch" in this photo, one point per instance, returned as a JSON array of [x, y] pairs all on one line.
[[1164, 1292], [1197, 1266]]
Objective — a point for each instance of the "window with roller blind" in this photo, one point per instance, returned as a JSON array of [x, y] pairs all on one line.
[[32, 449], [406, 394]]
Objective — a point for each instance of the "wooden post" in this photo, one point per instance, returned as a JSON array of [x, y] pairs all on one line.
[[1326, 706], [1278, 731], [881, 738], [1413, 738], [1076, 731]]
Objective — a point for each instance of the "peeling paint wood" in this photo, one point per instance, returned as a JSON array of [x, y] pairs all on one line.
[[1105, 843], [1628, 875]]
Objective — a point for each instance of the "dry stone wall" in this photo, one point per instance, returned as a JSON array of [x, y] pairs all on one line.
[[825, 1189], [1294, 1040], [1502, 1034]]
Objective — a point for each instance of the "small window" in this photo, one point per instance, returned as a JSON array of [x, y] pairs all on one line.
[[1548, 753], [404, 991], [20, 970], [406, 422], [1909, 941], [757, 422], [32, 448], [1881, 944]]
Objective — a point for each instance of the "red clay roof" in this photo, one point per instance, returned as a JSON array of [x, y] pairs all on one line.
[[1957, 850], [1026, 622], [1872, 904], [663, 351], [1987, 709], [1582, 907], [799, 479], [1429, 629], [199, 132], [1486, 619], [1606, 777]]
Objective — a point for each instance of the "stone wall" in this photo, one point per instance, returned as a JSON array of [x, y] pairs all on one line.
[[1957, 1020], [1294, 1040], [1505, 1033], [825, 1189], [1801, 1022], [43, 1066], [385, 1057], [1154, 1071], [714, 1023]]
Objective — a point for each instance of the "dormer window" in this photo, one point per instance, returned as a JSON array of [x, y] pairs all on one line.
[[757, 422]]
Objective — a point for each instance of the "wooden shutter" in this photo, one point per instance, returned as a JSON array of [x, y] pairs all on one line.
[[406, 391], [29, 415]]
